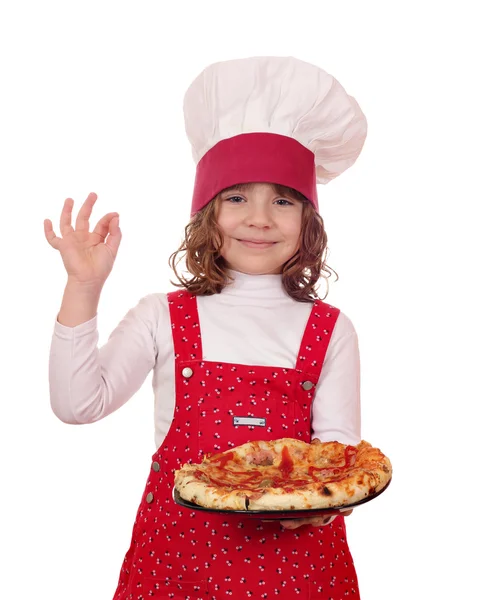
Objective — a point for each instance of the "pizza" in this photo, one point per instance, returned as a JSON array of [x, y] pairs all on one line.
[[285, 474]]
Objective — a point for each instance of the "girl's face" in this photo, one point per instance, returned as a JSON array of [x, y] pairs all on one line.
[[261, 229]]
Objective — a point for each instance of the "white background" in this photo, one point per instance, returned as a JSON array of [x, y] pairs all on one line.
[[91, 100]]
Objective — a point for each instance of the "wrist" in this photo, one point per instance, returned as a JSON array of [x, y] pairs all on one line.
[[85, 288], [79, 304]]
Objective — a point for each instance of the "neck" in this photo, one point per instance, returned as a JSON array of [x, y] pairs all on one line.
[[244, 284]]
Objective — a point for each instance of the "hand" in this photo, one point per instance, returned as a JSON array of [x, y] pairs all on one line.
[[315, 521], [88, 257]]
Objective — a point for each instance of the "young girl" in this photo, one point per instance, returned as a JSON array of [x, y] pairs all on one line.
[[244, 350]]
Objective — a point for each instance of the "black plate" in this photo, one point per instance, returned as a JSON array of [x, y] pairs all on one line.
[[277, 514]]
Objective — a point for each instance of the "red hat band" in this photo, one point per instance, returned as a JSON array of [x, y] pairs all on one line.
[[255, 158]]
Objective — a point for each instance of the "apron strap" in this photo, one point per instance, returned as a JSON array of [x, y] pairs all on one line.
[[315, 342], [186, 332], [185, 326]]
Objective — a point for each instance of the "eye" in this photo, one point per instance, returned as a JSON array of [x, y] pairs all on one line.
[[234, 199], [284, 202]]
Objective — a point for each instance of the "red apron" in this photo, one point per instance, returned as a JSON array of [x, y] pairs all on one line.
[[177, 553]]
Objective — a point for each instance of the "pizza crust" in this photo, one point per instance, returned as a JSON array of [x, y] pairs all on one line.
[[285, 474]]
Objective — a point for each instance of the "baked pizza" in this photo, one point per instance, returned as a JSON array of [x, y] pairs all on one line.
[[285, 474]]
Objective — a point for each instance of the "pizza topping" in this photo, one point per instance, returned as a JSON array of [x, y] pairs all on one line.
[[350, 455], [289, 472], [244, 480], [222, 458], [323, 471], [267, 483], [286, 466], [319, 473], [260, 457], [200, 475]]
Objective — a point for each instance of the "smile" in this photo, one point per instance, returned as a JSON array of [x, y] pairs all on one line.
[[256, 244]]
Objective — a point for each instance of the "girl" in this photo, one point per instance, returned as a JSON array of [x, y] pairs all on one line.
[[244, 340]]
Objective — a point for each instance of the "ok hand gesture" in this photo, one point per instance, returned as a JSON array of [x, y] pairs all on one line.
[[88, 256]]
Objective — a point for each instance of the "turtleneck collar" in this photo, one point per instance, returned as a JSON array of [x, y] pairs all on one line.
[[251, 286]]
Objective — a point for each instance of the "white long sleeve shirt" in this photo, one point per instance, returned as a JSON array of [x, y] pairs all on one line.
[[252, 321]]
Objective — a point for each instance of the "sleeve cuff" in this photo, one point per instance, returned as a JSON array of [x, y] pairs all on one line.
[[65, 332]]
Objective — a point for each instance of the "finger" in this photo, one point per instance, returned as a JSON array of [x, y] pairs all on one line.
[[319, 521], [288, 524], [66, 217], [327, 520], [315, 522], [346, 513], [82, 222], [103, 225], [292, 523], [114, 239], [52, 239]]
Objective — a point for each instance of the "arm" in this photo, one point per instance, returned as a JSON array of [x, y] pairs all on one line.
[[336, 407], [88, 383]]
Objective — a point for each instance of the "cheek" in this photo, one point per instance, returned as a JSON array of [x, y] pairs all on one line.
[[225, 248], [292, 231], [226, 222], [224, 229]]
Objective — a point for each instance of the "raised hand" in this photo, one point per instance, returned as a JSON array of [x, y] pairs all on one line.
[[88, 256]]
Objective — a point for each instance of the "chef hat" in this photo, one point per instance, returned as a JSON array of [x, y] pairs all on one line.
[[270, 119]]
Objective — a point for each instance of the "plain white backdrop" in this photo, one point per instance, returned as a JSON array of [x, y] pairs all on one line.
[[91, 100]]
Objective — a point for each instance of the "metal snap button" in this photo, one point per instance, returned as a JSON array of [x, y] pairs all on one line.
[[187, 372], [155, 466], [307, 385], [149, 498]]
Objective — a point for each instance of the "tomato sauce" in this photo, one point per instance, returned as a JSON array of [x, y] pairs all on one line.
[[251, 480], [222, 459], [286, 465]]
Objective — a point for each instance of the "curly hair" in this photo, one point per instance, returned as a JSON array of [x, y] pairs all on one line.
[[203, 241]]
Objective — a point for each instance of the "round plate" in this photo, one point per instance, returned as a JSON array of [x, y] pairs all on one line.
[[277, 514]]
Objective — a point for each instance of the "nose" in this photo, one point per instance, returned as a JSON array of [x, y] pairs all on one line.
[[258, 215]]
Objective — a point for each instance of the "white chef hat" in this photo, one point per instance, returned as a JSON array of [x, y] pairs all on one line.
[[270, 119]]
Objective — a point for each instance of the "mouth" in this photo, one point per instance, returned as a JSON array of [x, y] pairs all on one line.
[[256, 243]]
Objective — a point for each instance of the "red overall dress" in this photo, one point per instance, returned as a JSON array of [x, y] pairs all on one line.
[[177, 553]]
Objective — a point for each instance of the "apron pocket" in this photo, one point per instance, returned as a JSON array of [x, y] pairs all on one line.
[[145, 587]]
